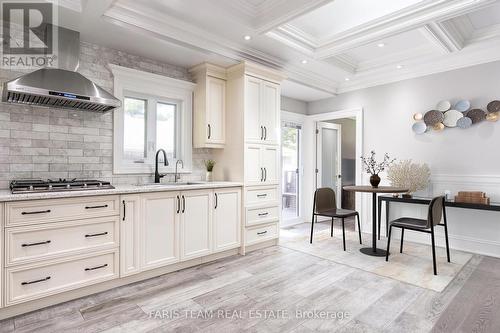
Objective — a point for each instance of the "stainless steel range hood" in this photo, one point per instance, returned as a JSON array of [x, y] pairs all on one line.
[[60, 87]]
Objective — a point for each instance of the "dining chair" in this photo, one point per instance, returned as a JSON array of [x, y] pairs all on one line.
[[325, 204], [435, 212]]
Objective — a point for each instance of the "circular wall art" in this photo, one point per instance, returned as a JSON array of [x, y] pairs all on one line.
[[492, 116], [418, 116], [477, 115], [419, 128], [464, 122], [451, 117], [462, 105], [493, 106], [438, 127], [443, 106], [433, 117]]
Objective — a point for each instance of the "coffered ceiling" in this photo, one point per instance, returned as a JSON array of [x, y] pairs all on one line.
[[325, 46]]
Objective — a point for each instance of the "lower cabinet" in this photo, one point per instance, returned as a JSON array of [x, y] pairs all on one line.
[[162, 228]]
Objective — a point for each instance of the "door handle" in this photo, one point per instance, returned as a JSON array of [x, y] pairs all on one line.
[[178, 204], [209, 131], [124, 210], [216, 201], [265, 133], [265, 174], [262, 133], [261, 174], [183, 204]]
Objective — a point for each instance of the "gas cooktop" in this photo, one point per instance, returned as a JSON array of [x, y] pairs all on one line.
[[49, 185]]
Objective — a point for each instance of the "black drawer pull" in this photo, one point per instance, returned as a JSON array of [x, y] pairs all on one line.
[[97, 267], [94, 207], [261, 195], [264, 214], [33, 244], [124, 210], [262, 233], [36, 281], [94, 235], [36, 212]]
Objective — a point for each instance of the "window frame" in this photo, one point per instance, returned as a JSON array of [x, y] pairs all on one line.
[[155, 89]]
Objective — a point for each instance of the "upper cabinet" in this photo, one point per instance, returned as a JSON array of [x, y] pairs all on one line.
[[262, 110], [209, 115]]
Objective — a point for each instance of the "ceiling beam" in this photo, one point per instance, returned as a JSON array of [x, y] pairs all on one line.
[[444, 36]]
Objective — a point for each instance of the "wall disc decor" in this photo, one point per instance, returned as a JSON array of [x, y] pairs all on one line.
[[492, 116], [493, 106], [433, 117], [477, 115], [419, 128], [443, 106], [464, 122], [438, 127], [418, 116], [451, 117], [462, 105]]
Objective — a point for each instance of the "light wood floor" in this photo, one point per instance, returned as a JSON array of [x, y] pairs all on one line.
[[227, 295]]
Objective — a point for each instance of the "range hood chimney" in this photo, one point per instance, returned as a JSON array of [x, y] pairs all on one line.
[[60, 87]]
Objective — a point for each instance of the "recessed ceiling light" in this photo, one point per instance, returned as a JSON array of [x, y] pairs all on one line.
[[304, 61], [381, 44], [247, 37], [347, 79], [399, 66]]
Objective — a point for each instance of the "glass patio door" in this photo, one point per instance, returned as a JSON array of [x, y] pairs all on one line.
[[290, 163]]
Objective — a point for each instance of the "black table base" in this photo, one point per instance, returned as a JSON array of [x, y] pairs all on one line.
[[369, 252]]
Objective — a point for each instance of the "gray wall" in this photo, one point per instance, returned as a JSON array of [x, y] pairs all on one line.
[[293, 105], [388, 111], [37, 142]]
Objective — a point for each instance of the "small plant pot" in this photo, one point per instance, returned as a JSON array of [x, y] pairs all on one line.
[[374, 180], [209, 176]]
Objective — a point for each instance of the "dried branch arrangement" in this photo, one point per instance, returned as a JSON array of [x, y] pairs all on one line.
[[409, 175], [373, 167]]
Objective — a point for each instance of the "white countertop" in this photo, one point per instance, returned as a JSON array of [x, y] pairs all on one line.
[[6, 195]]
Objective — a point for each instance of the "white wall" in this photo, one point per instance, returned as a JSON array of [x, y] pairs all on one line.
[[293, 105], [459, 159]]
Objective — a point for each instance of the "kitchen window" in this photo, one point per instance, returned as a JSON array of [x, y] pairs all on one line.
[[155, 113]]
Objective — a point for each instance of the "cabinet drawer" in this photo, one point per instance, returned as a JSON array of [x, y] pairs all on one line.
[[256, 196], [260, 234], [262, 215], [43, 211], [47, 241], [30, 282]]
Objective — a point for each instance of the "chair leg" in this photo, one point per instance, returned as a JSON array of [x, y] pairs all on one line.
[[402, 237], [331, 231], [446, 234], [379, 216], [388, 244], [312, 228], [359, 229], [433, 251], [343, 232]]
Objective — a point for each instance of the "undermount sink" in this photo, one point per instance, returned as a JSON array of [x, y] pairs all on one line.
[[170, 184]]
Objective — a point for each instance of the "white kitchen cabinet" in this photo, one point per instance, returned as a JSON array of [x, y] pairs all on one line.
[[262, 107], [196, 224], [130, 234], [226, 219], [160, 229], [209, 120], [261, 165]]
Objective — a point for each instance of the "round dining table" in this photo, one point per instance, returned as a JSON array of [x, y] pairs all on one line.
[[373, 251]]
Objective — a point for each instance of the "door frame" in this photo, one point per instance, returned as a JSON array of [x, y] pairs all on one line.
[[319, 147], [300, 120]]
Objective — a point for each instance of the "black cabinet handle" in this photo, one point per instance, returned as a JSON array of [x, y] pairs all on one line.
[[94, 207], [264, 214], [36, 281], [262, 233], [95, 235], [96, 267], [265, 174], [265, 133], [183, 204], [261, 132], [37, 212], [178, 204], [209, 131], [216, 201], [261, 174], [261, 195], [34, 244], [124, 210]]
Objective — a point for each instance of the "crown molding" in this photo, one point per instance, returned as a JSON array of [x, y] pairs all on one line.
[[345, 62], [443, 36]]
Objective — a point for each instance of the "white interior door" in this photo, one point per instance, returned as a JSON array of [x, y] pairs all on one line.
[[329, 158]]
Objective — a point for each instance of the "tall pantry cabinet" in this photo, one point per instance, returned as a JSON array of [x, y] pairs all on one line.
[[252, 153]]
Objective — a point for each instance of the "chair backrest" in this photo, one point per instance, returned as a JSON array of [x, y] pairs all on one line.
[[324, 199], [435, 211]]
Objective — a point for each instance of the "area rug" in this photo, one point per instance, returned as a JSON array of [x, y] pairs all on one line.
[[413, 266]]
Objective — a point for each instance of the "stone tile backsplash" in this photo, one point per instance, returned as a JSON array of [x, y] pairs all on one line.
[[38, 142]]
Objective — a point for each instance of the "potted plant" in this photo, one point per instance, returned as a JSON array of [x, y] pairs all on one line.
[[373, 167], [407, 174], [209, 164]]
